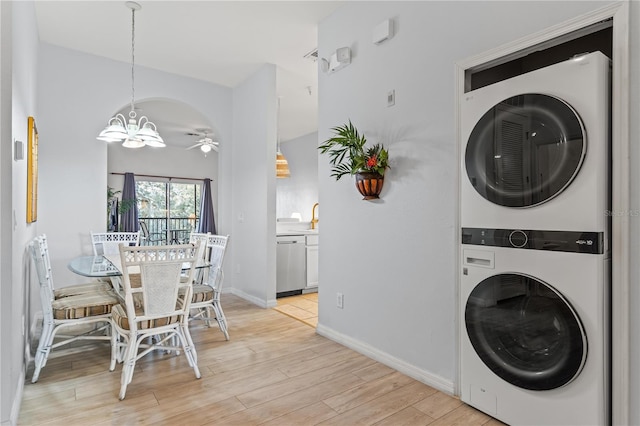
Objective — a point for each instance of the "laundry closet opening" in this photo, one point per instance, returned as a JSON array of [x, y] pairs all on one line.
[[597, 37], [535, 182]]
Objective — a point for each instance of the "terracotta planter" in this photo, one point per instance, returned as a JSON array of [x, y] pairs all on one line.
[[369, 184]]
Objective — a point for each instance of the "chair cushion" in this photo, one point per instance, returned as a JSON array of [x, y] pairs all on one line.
[[201, 293], [74, 290], [84, 305], [119, 315]]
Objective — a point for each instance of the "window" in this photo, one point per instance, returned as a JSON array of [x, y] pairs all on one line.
[[167, 203]]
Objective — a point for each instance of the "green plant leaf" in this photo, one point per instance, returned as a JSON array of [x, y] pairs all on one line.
[[347, 155]]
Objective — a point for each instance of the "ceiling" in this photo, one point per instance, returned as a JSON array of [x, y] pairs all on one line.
[[222, 42]]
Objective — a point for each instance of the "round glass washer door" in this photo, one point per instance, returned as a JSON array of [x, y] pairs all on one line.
[[525, 332], [525, 150]]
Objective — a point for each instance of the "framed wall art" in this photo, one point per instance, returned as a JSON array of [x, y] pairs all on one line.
[[32, 171]]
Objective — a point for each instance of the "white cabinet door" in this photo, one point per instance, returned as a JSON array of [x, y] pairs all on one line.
[[312, 266]]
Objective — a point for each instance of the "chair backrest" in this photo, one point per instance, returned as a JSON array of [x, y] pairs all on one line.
[[40, 255], [151, 277], [108, 242], [217, 246], [204, 239]]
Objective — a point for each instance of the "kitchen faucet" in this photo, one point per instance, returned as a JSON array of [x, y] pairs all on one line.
[[314, 221]]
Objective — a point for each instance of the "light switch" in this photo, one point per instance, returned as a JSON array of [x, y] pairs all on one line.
[[391, 98]]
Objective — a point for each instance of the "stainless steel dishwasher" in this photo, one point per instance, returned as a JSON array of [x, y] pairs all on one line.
[[291, 274]]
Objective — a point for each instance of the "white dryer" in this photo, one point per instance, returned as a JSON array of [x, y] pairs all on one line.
[[538, 144], [535, 328]]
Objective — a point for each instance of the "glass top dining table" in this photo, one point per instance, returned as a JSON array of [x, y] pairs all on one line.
[[94, 266], [100, 266]]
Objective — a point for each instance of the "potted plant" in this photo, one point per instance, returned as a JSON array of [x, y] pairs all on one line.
[[349, 155]]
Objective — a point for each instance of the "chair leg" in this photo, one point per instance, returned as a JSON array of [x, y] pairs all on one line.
[[115, 340], [222, 320], [189, 348], [128, 365], [42, 353], [206, 315]]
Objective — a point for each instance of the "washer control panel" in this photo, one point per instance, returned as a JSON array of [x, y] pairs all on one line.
[[566, 241]]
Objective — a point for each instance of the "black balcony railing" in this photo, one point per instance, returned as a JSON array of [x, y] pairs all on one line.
[[177, 232]]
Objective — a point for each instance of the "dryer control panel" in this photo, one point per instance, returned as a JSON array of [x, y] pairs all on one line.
[[566, 241]]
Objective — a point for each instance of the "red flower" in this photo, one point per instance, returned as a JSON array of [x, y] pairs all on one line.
[[372, 161]]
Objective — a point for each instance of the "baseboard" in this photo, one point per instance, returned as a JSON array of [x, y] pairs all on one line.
[[253, 299], [435, 381], [17, 400]]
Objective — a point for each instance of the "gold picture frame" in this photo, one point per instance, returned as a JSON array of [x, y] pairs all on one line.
[[32, 171]]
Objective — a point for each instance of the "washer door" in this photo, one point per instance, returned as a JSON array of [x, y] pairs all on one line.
[[525, 150], [525, 332]]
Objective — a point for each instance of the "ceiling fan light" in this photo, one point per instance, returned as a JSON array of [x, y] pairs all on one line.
[[205, 148]]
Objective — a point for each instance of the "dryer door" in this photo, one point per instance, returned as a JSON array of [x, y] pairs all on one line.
[[525, 332], [525, 150]]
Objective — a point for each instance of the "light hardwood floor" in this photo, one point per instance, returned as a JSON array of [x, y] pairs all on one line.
[[303, 307], [275, 371]]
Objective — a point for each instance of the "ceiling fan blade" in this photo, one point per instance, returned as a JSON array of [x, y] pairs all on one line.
[[194, 146]]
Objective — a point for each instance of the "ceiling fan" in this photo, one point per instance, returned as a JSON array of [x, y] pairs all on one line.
[[205, 143]]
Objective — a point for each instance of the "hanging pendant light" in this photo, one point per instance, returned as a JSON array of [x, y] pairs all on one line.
[[132, 133], [282, 165]]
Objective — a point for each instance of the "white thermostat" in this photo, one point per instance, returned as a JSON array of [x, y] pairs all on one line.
[[383, 31]]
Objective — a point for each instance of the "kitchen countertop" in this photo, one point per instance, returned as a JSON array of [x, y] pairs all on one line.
[[281, 232]]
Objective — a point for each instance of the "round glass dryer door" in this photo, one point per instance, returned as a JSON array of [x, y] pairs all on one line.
[[525, 332], [525, 150]]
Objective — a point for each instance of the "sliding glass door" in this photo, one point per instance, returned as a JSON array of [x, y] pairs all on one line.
[[170, 210]]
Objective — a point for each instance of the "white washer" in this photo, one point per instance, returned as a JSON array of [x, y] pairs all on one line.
[[534, 335], [535, 149]]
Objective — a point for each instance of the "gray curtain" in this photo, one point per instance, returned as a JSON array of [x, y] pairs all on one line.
[[128, 206], [207, 221]]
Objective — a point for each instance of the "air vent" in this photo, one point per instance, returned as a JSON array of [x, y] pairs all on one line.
[[313, 55]]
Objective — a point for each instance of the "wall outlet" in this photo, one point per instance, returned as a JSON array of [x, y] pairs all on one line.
[[340, 300]]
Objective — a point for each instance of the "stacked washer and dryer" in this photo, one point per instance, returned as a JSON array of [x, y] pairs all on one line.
[[535, 253]]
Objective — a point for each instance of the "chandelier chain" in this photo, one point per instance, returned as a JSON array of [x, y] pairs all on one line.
[[133, 58], [132, 133]]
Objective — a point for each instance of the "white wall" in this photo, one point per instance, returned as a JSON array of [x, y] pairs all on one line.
[[252, 243], [19, 69], [299, 192], [634, 274], [394, 260], [9, 385]]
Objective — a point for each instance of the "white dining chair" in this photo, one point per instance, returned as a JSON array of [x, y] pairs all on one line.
[[203, 238], [206, 296], [156, 306], [107, 242], [83, 312]]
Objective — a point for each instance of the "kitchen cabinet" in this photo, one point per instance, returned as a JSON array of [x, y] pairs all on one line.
[[312, 260]]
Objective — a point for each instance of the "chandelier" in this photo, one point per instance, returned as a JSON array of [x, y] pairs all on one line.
[[132, 133]]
